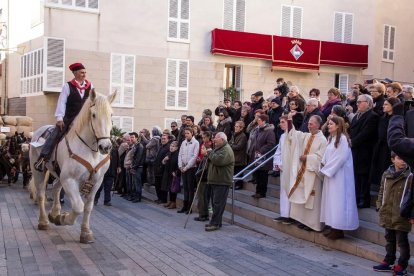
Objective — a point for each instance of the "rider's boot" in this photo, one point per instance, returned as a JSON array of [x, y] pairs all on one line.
[[39, 165]]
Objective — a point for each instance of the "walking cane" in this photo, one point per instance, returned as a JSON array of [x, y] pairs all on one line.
[[196, 193]]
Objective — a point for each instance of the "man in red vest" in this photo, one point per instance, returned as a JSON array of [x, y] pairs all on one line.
[[73, 96]]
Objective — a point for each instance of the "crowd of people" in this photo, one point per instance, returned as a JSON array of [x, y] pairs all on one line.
[[330, 156]]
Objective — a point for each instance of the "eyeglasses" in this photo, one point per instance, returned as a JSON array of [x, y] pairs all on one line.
[[358, 102], [292, 104], [173, 126]]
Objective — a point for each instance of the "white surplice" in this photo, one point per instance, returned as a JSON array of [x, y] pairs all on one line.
[[277, 161], [339, 209], [306, 198]]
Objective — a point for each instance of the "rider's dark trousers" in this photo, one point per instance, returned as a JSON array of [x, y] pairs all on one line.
[[51, 141]]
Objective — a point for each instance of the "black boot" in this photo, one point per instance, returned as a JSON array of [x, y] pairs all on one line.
[[184, 209]]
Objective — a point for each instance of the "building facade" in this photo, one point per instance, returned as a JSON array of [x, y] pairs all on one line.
[[157, 54]]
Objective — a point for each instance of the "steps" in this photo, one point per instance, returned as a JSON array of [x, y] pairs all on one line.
[[258, 214]]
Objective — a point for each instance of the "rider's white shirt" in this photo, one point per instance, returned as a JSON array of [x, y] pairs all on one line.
[[63, 98]]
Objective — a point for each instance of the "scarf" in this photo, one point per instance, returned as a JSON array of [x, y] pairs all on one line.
[[329, 103], [81, 88]]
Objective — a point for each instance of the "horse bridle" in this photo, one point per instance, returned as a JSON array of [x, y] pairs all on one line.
[[96, 138]]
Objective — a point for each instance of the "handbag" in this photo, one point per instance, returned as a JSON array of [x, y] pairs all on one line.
[[175, 185]]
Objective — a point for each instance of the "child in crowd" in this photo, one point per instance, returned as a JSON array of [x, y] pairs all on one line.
[[395, 181]]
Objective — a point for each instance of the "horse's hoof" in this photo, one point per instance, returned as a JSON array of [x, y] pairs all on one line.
[[87, 238], [52, 219], [43, 226]]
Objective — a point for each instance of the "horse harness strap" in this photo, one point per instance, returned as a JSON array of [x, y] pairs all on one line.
[[88, 185]]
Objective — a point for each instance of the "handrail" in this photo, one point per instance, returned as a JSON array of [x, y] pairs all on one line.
[[237, 176]]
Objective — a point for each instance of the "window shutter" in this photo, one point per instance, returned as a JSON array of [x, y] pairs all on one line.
[[80, 3], [93, 4], [168, 121], [183, 84], [173, 19], [129, 77], [177, 84], [238, 75], [338, 27], [343, 83], [286, 11], [67, 2], [53, 1], [127, 124], [171, 83], [185, 17], [392, 38], [54, 61], [297, 22], [240, 15], [116, 121], [349, 18], [228, 14], [386, 35], [116, 77]]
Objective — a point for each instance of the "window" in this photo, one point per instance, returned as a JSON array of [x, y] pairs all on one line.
[[168, 121], [126, 124], [54, 64], [234, 15], [341, 81], [291, 21], [83, 5], [31, 73], [389, 41], [343, 25], [123, 79], [38, 13], [232, 78], [176, 96], [179, 20]]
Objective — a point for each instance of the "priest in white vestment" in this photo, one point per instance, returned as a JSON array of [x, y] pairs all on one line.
[[301, 163], [339, 208]]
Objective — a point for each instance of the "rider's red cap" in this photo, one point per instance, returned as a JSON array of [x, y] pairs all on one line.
[[76, 66]]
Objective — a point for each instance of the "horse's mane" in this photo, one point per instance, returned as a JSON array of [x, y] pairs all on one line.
[[103, 108]]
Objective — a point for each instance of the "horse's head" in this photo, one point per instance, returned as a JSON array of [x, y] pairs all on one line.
[[100, 114]]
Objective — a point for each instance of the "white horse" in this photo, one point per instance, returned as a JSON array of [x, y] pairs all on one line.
[[83, 156]]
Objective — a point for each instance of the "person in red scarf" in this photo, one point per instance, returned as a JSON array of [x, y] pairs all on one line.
[[71, 99]]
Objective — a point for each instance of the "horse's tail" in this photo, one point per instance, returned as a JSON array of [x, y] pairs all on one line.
[[32, 186]]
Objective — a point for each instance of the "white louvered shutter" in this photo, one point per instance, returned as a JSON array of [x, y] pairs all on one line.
[[238, 80], [80, 3], [171, 83], [116, 121], [240, 15], [54, 62], [386, 42], [348, 26], [343, 83], [128, 81], [116, 77], [184, 19], [173, 19], [67, 2], [338, 27], [93, 4], [392, 40], [297, 22], [286, 23], [183, 85], [228, 14], [127, 124]]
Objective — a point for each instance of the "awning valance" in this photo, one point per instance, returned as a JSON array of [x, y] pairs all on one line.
[[289, 52]]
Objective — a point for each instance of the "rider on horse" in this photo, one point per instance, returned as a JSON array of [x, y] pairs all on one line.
[[73, 96]]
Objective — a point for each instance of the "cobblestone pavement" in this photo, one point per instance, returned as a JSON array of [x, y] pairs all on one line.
[[146, 239]]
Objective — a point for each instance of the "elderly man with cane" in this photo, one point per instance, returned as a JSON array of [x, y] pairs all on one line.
[[219, 177]]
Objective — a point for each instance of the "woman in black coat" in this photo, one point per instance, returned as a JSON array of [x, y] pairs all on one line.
[[170, 169], [381, 158], [224, 123]]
